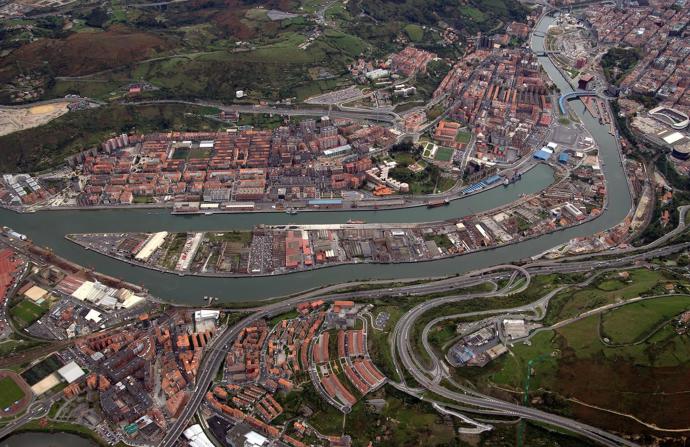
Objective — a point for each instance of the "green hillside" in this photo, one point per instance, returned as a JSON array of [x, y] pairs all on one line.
[[468, 16]]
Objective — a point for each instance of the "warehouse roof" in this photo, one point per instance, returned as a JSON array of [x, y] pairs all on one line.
[[71, 372], [541, 154]]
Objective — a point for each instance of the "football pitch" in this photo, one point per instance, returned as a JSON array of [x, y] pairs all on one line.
[[10, 392]]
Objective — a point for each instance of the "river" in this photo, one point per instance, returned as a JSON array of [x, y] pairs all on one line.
[[49, 227], [46, 440]]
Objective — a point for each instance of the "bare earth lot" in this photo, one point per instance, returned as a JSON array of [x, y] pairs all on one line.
[[16, 119]]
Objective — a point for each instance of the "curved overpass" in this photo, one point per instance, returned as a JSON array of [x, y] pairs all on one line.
[[574, 94]]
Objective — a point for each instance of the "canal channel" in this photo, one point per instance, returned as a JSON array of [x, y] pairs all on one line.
[[48, 228]]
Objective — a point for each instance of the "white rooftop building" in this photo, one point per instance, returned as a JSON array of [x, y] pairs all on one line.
[[94, 316], [71, 372], [377, 74], [515, 329], [152, 244], [206, 314], [196, 437], [253, 439]]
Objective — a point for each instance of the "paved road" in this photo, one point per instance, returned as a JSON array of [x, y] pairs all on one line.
[[382, 116], [213, 360], [37, 410], [429, 378]]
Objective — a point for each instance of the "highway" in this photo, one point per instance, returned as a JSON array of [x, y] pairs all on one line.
[[37, 410], [362, 114], [430, 380], [214, 358]]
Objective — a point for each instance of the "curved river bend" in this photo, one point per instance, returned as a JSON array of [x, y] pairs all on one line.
[[48, 228]]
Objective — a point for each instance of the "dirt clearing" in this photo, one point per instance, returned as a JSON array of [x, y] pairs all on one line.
[[13, 119]]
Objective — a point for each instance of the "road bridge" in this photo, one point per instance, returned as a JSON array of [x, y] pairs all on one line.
[[547, 53], [574, 94]]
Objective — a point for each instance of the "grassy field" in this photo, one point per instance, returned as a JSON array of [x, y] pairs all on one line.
[[173, 245], [240, 237], [427, 187], [98, 89], [348, 44], [463, 137], [199, 153], [25, 313], [609, 289], [261, 120], [403, 158], [404, 421], [286, 316], [646, 315], [414, 32], [441, 240], [276, 69], [10, 392], [443, 154], [377, 341], [572, 363], [14, 344], [473, 13]]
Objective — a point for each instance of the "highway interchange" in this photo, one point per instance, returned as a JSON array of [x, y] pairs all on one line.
[[429, 380], [404, 355]]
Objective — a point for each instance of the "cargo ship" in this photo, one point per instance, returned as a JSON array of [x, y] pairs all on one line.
[[515, 177], [437, 203]]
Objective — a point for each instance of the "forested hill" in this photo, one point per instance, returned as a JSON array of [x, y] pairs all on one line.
[[466, 15]]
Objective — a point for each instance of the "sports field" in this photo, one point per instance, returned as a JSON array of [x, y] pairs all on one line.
[[26, 313], [10, 392], [463, 137], [444, 154]]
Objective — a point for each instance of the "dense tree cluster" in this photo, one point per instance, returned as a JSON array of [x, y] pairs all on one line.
[[617, 63]]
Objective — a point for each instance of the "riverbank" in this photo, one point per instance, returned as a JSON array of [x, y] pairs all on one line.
[[192, 290], [107, 244], [409, 201], [134, 263], [58, 428]]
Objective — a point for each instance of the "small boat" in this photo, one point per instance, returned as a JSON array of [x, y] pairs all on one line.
[[291, 211], [437, 203], [352, 221]]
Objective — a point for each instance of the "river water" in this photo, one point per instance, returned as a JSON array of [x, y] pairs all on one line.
[[48, 228], [46, 440]]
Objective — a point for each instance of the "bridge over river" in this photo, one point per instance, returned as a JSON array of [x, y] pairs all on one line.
[[574, 94], [49, 228]]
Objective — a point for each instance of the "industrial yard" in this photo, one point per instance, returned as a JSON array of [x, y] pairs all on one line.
[[279, 249]]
